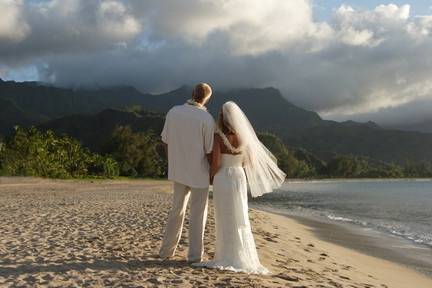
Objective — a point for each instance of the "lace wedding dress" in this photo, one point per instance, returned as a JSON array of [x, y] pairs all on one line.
[[235, 245]]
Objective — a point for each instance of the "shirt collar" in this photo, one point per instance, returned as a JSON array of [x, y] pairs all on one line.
[[196, 104]]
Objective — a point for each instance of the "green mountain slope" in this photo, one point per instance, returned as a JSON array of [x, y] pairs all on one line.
[[267, 109], [11, 115], [92, 130], [387, 145], [424, 126], [53, 102]]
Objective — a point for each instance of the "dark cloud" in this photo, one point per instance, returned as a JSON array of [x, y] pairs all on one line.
[[361, 64]]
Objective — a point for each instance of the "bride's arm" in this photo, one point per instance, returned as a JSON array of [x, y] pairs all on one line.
[[216, 157]]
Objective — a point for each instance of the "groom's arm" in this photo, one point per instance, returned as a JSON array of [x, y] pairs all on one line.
[[164, 135], [209, 158], [216, 155], [208, 133]]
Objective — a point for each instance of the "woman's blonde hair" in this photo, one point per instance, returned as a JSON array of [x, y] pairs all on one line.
[[223, 125]]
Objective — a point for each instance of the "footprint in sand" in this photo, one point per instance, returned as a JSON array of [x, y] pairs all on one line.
[[335, 284], [271, 240], [288, 277], [328, 269]]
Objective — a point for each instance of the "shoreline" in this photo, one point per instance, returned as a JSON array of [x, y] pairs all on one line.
[[367, 241], [357, 180], [107, 233], [359, 265]]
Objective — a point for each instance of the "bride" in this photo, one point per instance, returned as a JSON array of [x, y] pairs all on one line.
[[238, 155]]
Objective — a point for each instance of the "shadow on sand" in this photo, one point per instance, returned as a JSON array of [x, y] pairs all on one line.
[[93, 265]]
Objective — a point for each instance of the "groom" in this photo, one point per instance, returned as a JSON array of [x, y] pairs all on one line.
[[188, 137]]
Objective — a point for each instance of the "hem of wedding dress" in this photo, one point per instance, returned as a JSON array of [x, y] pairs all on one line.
[[213, 265]]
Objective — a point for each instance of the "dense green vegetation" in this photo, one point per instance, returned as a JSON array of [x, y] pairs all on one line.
[[292, 166], [138, 154], [33, 153], [30, 152], [357, 167], [298, 163]]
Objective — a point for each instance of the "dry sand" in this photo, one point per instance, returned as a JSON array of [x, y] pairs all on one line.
[[106, 233]]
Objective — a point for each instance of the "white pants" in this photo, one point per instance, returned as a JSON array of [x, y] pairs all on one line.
[[197, 221]]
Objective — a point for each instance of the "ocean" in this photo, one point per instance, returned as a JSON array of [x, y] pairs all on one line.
[[401, 209]]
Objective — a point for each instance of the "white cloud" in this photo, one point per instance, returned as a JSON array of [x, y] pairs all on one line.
[[351, 36], [13, 26], [249, 27], [391, 72], [114, 19], [393, 12], [421, 26], [109, 20], [370, 27], [67, 26]]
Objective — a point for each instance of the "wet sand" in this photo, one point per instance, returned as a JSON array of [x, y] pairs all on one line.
[[373, 243], [98, 233]]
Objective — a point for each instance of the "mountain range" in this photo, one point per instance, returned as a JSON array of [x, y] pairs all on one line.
[[89, 114], [420, 126]]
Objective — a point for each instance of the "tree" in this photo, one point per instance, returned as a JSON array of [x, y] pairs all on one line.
[[345, 167], [33, 153], [293, 167], [423, 169], [137, 153]]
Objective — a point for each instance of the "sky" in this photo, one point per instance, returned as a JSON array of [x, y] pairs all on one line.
[[324, 8], [360, 60]]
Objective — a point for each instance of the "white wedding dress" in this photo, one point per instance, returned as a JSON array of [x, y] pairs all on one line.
[[235, 245]]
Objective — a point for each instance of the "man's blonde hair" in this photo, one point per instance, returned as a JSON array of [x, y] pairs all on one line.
[[201, 92]]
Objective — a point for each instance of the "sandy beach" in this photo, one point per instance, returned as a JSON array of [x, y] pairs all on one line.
[[103, 233]]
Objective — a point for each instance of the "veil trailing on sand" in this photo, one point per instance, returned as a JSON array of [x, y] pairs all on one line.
[[261, 168]]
